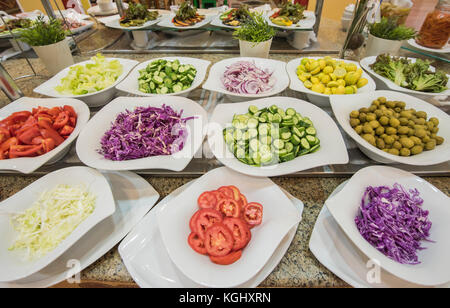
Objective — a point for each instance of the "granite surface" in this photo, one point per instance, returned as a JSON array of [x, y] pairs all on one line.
[[298, 268]]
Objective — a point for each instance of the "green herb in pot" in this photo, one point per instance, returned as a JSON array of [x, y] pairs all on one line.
[[389, 29], [43, 33], [255, 29]]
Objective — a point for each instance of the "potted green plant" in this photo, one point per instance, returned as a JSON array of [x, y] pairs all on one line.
[[48, 39], [255, 36], [387, 36]]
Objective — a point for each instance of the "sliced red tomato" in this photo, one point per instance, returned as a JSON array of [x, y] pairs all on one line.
[[228, 259], [61, 120], [236, 192], [205, 219], [207, 200], [4, 135], [8, 143], [229, 208], [196, 243], [27, 136], [242, 202], [24, 150], [66, 130], [253, 213], [240, 230], [192, 225], [55, 111], [218, 240], [73, 121], [227, 191], [70, 111]]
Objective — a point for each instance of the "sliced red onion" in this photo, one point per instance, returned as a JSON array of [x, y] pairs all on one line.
[[244, 77]]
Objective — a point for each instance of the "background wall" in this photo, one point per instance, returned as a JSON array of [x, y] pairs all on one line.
[[332, 9], [31, 5]]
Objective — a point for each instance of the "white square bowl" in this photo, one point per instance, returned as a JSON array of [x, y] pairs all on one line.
[[31, 164], [131, 84], [332, 147], [388, 84], [342, 106], [319, 99], [306, 23], [434, 268], [12, 265], [166, 22], [214, 81], [279, 217], [88, 143], [96, 99]]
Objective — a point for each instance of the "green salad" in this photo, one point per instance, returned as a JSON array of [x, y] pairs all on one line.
[[164, 77], [270, 136], [91, 77]]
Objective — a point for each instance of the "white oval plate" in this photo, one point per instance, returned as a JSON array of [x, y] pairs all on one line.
[[413, 43], [344, 206], [366, 62], [92, 99], [214, 81], [95, 10], [115, 24], [319, 98], [342, 106], [307, 23], [31, 164], [148, 262], [88, 143], [336, 251], [332, 147], [131, 85], [12, 265], [279, 217], [166, 22], [134, 197]]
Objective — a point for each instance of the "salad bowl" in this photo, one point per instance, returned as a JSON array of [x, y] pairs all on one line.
[[115, 24], [166, 22], [95, 99], [305, 24]]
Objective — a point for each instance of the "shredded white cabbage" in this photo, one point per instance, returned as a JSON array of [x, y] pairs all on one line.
[[51, 219]]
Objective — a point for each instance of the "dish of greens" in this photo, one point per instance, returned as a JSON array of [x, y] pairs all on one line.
[[164, 77], [288, 14], [270, 136], [417, 76], [137, 15], [187, 16], [15, 25], [235, 17]]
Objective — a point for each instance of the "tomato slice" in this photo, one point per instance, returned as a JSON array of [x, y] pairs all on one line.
[[229, 208], [218, 240], [192, 225], [228, 259], [253, 213], [240, 230], [227, 191], [196, 243], [61, 120], [242, 202], [236, 192], [66, 130], [70, 111], [205, 219], [207, 200]]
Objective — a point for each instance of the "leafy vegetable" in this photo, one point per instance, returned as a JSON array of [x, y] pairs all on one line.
[[90, 78], [392, 220], [43, 33], [51, 219], [16, 25], [294, 12], [186, 11], [416, 76], [254, 29], [245, 77], [145, 132], [136, 15], [388, 29], [234, 17]]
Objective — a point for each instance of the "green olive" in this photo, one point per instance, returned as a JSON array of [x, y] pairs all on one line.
[[391, 104], [397, 145], [354, 122], [376, 103], [380, 144], [359, 129], [421, 114], [382, 100], [407, 142], [417, 149], [394, 152], [362, 117], [403, 121], [426, 139], [367, 128], [406, 114], [419, 121], [354, 114], [375, 124], [435, 121], [420, 133], [378, 113], [430, 145], [384, 120], [379, 131], [405, 152], [394, 122], [364, 110], [371, 117], [391, 131], [416, 140], [369, 138], [401, 104], [389, 140], [435, 130], [430, 125], [439, 140], [403, 130]]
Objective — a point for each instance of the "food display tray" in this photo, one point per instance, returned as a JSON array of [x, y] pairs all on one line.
[[205, 161]]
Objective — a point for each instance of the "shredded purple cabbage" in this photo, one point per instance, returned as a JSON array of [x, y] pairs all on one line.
[[145, 132], [245, 77], [393, 221]]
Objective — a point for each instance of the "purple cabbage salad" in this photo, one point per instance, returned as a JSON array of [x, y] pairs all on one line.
[[244, 77], [393, 221], [145, 132]]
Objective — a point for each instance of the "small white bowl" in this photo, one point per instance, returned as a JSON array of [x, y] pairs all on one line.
[[345, 206], [279, 216], [131, 84], [12, 266], [319, 99], [342, 106], [88, 143], [31, 164], [332, 147], [384, 83], [96, 99], [214, 81]]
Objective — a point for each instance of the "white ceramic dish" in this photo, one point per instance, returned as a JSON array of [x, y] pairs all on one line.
[[413, 43], [336, 251], [279, 217], [31, 164], [166, 22], [89, 141], [134, 197], [332, 150], [95, 10], [342, 106], [131, 85], [99, 98], [86, 25], [13, 266], [217, 22], [115, 24], [319, 99], [214, 81], [148, 262], [434, 268], [305, 24], [384, 83]]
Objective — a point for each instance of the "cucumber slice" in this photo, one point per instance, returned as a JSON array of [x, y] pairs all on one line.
[[278, 144], [289, 147], [253, 109], [311, 131], [252, 123], [311, 140], [287, 157], [305, 144]]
